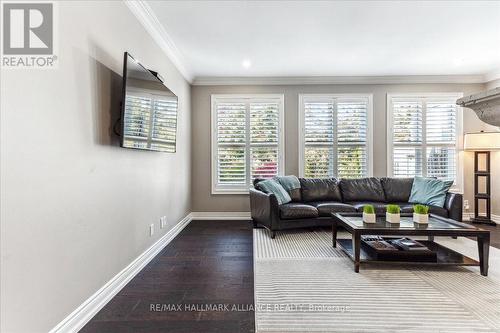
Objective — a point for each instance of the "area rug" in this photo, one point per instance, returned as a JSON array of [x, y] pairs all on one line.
[[303, 284]]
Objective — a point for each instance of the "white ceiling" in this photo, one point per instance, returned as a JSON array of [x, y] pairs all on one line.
[[332, 38]]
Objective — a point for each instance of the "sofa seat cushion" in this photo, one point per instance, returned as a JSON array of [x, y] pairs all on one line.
[[320, 189], [379, 206], [362, 189], [294, 210], [326, 208]]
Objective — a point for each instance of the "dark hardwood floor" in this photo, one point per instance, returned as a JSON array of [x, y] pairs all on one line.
[[494, 234], [210, 263]]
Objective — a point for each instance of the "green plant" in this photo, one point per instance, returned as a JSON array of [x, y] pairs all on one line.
[[393, 209], [368, 209], [421, 209]]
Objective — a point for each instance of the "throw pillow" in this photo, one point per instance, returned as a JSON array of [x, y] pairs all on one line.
[[292, 185], [272, 186], [429, 191]]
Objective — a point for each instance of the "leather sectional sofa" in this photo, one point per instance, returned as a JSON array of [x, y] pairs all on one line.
[[313, 204]]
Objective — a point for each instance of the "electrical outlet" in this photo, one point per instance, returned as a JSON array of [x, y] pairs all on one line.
[[151, 230], [163, 222], [466, 204]]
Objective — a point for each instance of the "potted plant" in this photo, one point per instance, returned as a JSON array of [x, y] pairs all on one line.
[[392, 214], [369, 214], [421, 214]]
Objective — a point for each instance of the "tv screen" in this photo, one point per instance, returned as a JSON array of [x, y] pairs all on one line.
[[149, 110]]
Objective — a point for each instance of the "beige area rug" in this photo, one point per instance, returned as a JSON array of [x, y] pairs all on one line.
[[303, 284]]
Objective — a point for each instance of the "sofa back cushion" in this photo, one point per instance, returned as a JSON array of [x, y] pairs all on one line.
[[397, 189], [320, 189], [363, 189]]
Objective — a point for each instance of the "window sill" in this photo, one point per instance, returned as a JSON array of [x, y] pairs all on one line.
[[222, 192]]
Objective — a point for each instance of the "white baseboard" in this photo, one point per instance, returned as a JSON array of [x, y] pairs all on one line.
[[220, 216], [469, 216], [88, 309]]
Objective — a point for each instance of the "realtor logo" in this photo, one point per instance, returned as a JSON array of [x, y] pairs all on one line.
[[28, 35]]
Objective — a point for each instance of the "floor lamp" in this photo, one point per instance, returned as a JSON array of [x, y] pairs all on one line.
[[482, 144]]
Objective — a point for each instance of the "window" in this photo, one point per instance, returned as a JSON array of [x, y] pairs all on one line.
[[247, 140], [335, 136], [423, 136]]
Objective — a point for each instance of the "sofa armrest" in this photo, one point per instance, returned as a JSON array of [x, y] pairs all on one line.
[[454, 206], [264, 208]]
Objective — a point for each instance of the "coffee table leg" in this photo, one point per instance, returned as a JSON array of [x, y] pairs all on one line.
[[334, 233], [483, 244], [356, 246]]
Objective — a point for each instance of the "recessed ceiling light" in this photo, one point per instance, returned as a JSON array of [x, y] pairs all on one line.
[[246, 63]]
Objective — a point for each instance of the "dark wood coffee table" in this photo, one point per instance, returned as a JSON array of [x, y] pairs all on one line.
[[438, 226]]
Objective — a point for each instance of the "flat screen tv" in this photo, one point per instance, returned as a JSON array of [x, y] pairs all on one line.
[[149, 110]]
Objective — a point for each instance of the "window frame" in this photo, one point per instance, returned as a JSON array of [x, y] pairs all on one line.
[[246, 98], [369, 125], [458, 185]]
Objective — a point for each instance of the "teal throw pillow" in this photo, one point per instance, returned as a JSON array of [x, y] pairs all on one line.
[[429, 191], [272, 186], [288, 182]]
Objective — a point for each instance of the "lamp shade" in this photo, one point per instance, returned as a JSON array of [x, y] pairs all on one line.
[[482, 141]]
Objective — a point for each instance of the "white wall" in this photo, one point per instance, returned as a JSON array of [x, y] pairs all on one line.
[[76, 208]]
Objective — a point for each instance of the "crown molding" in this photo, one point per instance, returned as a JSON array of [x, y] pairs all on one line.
[[299, 80], [148, 19]]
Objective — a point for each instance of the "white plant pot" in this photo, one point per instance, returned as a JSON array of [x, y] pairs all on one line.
[[392, 218], [421, 218], [369, 218]]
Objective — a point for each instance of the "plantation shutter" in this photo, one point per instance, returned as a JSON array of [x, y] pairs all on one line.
[[231, 141], [335, 132], [352, 128], [441, 128], [247, 141], [319, 132], [424, 136], [407, 138], [264, 139]]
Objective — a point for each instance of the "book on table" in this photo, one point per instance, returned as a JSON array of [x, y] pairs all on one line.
[[408, 244], [379, 243]]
